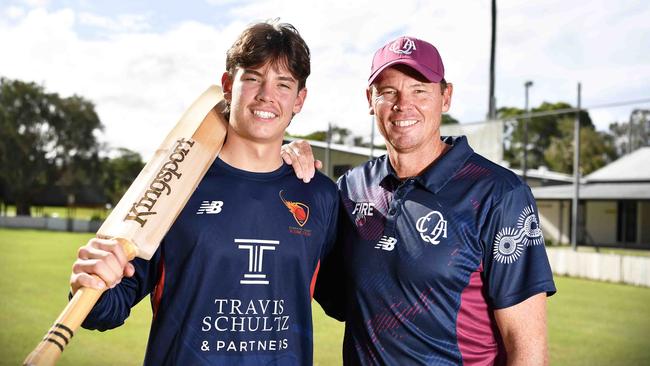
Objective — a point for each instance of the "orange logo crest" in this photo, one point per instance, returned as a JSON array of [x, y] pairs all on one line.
[[299, 210]]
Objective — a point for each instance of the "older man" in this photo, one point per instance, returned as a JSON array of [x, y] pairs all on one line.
[[439, 248]]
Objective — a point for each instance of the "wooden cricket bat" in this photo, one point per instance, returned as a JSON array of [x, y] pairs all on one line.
[[149, 207]]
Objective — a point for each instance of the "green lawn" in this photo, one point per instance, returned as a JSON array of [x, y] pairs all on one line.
[[590, 323], [81, 213]]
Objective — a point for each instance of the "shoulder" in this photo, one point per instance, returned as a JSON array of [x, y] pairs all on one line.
[[496, 179], [368, 172], [321, 182]]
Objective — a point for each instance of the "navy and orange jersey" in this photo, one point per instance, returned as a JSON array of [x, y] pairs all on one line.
[[231, 282], [428, 259]]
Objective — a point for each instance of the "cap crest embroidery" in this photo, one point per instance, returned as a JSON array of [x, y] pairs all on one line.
[[406, 49]]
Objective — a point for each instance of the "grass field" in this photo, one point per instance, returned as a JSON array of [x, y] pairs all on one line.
[[81, 213], [590, 323]]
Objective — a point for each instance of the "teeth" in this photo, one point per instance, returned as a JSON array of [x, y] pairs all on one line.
[[265, 115], [405, 123]]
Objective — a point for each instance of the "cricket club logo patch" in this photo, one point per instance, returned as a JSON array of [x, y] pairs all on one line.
[[299, 210], [510, 242], [405, 48], [432, 227]]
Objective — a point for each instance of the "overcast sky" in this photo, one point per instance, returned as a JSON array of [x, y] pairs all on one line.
[[143, 62]]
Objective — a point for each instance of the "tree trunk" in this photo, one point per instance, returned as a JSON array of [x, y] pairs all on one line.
[[23, 209]]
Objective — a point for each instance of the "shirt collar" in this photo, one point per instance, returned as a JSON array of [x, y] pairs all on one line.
[[436, 176]]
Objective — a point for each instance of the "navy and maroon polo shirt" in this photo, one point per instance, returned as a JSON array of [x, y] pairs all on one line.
[[428, 259]]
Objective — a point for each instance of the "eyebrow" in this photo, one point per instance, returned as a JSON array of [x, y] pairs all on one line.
[[412, 86], [287, 78], [281, 77], [417, 85]]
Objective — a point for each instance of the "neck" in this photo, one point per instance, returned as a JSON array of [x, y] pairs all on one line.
[[413, 163], [258, 157]]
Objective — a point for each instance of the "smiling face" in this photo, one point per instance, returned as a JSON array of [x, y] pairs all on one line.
[[408, 109], [262, 101]]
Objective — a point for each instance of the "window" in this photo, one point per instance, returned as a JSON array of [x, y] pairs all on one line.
[[626, 222]]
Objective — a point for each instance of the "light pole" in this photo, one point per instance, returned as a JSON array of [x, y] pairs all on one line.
[[524, 165]]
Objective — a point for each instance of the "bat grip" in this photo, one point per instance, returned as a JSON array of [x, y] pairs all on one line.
[[48, 351]]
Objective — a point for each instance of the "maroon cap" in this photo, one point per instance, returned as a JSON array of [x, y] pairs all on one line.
[[413, 52]]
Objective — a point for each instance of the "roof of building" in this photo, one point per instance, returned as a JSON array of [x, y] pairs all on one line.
[[595, 191], [633, 167], [544, 174]]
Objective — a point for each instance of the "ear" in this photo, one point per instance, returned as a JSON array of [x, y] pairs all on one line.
[[371, 109], [300, 100], [446, 97], [226, 86]]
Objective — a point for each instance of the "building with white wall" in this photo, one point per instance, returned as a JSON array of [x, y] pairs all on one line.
[[614, 208]]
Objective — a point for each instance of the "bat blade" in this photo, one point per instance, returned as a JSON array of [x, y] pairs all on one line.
[[156, 197], [149, 207]]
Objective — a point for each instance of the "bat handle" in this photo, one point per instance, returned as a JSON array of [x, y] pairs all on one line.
[[48, 351]]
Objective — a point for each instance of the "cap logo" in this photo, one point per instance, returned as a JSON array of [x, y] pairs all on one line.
[[404, 49]]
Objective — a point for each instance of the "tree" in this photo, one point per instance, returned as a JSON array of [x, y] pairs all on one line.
[[339, 135], [448, 120], [541, 130], [596, 149], [46, 140], [631, 135], [119, 172]]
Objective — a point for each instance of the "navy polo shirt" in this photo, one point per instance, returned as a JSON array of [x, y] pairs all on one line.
[[427, 259], [231, 281]]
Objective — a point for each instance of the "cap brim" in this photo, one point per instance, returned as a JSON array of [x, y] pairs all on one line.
[[423, 70]]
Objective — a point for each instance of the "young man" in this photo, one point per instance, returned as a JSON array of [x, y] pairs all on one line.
[[231, 281], [442, 251]]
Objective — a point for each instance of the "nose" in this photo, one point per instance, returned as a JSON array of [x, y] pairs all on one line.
[[265, 92], [402, 102]]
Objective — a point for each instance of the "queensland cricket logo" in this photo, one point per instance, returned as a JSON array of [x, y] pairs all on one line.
[[169, 170], [510, 242], [431, 227], [403, 49], [299, 210]]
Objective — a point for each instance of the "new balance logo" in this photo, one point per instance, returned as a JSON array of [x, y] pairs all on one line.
[[386, 243], [210, 207]]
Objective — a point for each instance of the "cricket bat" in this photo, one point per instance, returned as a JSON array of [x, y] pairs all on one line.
[[149, 207]]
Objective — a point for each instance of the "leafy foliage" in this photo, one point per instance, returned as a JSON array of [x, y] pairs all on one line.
[[448, 120], [541, 131], [49, 147], [46, 140], [596, 149], [119, 172], [633, 134]]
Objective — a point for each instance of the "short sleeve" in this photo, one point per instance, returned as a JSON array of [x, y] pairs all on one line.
[[516, 266]]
